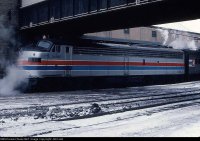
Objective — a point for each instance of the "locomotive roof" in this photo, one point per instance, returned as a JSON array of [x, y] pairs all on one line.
[[94, 39], [147, 47], [124, 41], [117, 43]]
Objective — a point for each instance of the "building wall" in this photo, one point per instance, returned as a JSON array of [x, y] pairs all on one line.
[[151, 34]]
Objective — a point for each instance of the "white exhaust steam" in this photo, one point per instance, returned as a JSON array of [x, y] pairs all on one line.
[[13, 79], [177, 41], [164, 35], [14, 76], [181, 43]]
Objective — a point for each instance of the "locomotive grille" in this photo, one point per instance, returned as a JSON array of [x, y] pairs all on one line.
[[34, 60]]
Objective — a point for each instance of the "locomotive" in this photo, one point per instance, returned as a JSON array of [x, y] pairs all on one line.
[[90, 63]]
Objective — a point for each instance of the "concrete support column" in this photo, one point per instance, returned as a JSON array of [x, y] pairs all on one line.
[[8, 28]]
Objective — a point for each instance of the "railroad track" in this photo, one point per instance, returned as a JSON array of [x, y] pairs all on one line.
[[79, 106], [107, 104]]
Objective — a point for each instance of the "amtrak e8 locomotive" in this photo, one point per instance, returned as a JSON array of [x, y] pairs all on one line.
[[55, 65]]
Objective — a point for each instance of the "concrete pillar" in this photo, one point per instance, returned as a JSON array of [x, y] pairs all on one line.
[[8, 28]]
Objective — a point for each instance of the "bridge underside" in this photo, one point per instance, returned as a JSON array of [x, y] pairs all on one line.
[[125, 16]]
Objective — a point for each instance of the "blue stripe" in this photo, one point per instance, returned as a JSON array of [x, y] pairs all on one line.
[[46, 67], [100, 68], [155, 68]]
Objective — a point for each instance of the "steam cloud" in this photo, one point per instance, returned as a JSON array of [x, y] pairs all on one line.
[[14, 78], [181, 43], [14, 75], [165, 35], [177, 43]]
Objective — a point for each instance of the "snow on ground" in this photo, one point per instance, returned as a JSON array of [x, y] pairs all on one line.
[[178, 122], [153, 111], [174, 120]]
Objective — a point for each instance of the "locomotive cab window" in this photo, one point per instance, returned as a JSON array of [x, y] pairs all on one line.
[[56, 48], [44, 45]]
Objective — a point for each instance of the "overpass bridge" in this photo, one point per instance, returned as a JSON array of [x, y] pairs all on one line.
[[75, 17]]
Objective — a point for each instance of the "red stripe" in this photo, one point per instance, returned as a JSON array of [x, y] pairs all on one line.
[[96, 63]]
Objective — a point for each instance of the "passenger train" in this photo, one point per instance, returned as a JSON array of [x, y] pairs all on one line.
[[87, 64]]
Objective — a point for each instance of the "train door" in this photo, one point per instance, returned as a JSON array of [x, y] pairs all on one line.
[[67, 57], [186, 62], [55, 53], [55, 56], [126, 65], [67, 52]]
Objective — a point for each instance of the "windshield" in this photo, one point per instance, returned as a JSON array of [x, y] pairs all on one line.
[[44, 44]]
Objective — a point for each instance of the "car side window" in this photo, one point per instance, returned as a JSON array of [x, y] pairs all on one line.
[[57, 48]]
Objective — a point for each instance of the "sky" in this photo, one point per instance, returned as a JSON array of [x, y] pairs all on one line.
[[191, 26]]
